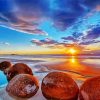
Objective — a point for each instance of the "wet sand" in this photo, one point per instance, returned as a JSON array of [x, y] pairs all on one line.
[[78, 69]]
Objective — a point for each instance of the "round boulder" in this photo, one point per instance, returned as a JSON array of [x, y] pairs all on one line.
[[5, 65], [18, 68], [23, 86], [59, 86], [90, 89]]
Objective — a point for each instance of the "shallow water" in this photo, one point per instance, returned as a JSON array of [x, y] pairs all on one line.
[[79, 68]]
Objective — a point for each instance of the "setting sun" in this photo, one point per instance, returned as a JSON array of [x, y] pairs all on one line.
[[72, 51]]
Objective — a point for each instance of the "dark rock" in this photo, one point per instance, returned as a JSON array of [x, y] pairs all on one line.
[[19, 68], [90, 89], [4, 65], [59, 86], [23, 86]]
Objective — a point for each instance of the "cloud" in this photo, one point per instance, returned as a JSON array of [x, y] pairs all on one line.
[[70, 38], [73, 22], [45, 42], [4, 44], [36, 42], [90, 42], [97, 8], [91, 3], [92, 34], [87, 37], [67, 12], [24, 15], [76, 35], [49, 43], [13, 22], [27, 15]]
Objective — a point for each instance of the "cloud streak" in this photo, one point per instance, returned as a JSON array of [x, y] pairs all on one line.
[[46, 41], [49, 43], [88, 37], [4, 44]]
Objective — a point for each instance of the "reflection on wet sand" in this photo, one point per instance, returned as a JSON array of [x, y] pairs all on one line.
[[77, 68]]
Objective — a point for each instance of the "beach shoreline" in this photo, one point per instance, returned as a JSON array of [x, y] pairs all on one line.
[[78, 69]]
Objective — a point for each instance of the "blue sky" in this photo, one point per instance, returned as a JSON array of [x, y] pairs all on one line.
[[49, 26]]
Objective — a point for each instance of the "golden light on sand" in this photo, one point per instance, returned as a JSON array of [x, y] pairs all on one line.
[[72, 60], [72, 51]]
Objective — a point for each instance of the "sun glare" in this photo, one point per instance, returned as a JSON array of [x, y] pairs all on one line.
[[72, 51]]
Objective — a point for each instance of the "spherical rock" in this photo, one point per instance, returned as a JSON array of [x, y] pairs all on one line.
[[90, 89], [18, 68], [23, 86], [59, 86], [4, 65]]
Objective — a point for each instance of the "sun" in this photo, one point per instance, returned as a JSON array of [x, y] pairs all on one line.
[[72, 51]]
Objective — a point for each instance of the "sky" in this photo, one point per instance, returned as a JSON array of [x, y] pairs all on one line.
[[49, 26]]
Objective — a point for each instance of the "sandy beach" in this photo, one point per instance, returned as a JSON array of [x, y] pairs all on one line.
[[78, 69]]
